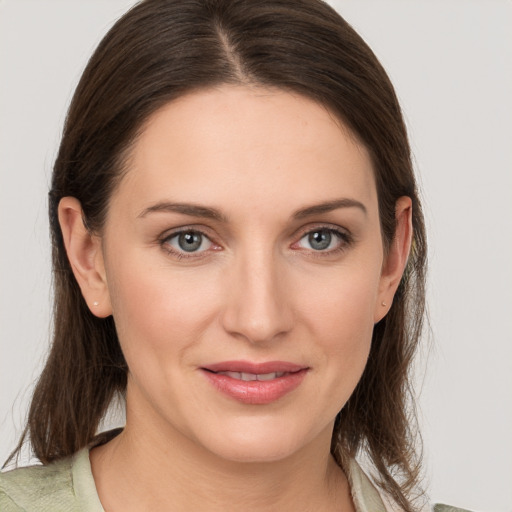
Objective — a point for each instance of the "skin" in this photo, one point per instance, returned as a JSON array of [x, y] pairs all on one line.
[[256, 290]]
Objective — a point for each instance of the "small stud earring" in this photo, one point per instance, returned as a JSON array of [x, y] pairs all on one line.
[[95, 303], [383, 304]]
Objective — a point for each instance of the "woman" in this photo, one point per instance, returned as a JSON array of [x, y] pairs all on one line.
[[233, 210]]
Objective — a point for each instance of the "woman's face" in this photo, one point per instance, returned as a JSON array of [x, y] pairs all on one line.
[[243, 257]]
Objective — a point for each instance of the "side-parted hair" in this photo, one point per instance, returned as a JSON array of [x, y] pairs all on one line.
[[158, 51]]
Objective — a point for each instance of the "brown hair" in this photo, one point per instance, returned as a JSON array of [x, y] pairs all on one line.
[[155, 53]]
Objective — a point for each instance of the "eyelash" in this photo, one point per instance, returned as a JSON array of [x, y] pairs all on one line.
[[164, 243], [345, 241]]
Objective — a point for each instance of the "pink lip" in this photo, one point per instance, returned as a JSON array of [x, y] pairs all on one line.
[[255, 392], [248, 367]]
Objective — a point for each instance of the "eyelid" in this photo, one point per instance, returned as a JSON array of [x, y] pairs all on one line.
[[345, 236], [203, 230], [181, 254], [305, 230]]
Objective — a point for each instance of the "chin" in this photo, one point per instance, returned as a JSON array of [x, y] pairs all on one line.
[[257, 443], [252, 452]]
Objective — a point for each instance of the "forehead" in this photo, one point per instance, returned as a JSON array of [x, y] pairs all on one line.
[[236, 146]]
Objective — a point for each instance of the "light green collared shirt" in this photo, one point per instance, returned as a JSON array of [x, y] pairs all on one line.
[[67, 485]]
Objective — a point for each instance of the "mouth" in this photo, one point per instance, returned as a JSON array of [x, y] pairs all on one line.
[[255, 383], [248, 377]]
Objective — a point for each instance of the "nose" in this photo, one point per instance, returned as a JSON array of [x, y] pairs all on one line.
[[258, 307]]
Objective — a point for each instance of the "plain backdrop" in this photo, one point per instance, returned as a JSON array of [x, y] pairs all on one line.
[[451, 63]]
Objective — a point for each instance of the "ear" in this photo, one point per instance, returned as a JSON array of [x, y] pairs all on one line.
[[85, 257], [396, 258]]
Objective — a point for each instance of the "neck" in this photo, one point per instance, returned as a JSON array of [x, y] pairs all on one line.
[[159, 469]]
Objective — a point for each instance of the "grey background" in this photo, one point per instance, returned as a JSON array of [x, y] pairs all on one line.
[[451, 63]]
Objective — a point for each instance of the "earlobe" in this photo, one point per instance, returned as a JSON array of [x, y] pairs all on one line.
[[85, 257], [396, 258]]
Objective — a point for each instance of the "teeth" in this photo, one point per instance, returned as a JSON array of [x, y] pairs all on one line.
[[233, 375], [247, 377], [270, 376]]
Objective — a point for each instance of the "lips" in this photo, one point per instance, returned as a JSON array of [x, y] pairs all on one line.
[[255, 383], [248, 377]]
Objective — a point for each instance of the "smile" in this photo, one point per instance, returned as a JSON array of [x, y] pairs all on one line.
[[253, 376], [255, 383]]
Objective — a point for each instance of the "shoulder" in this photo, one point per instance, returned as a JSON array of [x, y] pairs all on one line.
[[66, 485], [367, 498], [38, 488]]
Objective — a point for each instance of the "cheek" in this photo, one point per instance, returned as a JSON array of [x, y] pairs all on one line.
[[339, 316], [157, 308], [349, 335], [342, 301]]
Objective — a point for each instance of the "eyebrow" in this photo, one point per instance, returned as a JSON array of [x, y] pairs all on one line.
[[195, 210], [329, 206]]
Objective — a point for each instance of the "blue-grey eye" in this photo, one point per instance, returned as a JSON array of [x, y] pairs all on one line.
[[320, 239], [189, 241]]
